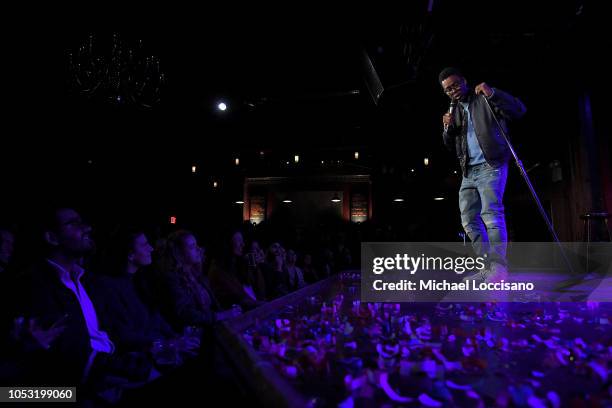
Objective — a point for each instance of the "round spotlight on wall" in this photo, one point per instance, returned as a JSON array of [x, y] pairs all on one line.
[[222, 106]]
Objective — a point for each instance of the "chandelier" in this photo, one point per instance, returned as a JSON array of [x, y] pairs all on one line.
[[118, 72]]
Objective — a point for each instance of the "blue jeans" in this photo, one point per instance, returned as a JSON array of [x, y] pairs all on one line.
[[482, 210]]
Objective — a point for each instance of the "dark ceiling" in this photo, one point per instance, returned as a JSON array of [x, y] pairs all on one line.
[[294, 79], [294, 83], [298, 67]]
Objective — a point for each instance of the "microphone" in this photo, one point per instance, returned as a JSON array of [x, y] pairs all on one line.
[[451, 110]]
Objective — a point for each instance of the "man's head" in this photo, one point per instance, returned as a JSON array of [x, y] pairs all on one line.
[[66, 233], [453, 83], [274, 250]]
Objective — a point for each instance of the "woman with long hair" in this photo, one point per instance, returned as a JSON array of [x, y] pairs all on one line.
[[189, 299]]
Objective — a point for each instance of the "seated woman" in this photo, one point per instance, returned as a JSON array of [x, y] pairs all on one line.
[[188, 298], [234, 281], [133, 325]]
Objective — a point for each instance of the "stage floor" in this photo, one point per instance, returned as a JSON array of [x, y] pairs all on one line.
[[322, 347]]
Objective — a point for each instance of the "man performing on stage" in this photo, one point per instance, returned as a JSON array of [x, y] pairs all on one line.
[[471, 131]]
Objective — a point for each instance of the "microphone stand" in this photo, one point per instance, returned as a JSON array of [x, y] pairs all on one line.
[[523, 172]]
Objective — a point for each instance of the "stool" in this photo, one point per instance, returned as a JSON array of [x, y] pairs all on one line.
[[588, 229]]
